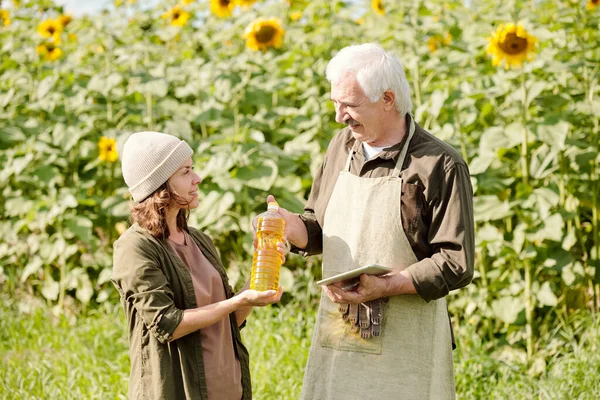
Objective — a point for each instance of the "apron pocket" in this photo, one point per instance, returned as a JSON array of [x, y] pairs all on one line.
[[338, 334]]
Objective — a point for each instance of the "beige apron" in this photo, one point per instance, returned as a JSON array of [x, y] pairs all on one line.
[[412, 359]]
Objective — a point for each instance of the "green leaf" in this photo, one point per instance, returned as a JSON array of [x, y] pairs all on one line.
[[80, 227], [213, 207], [550, 229], [286, 279], [546, 297], [490, 208], [34, 265], [46, 85], [260, 176], [50, 289], [507, 308], [554, 135]]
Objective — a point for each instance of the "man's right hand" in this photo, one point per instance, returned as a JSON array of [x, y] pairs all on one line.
[[295, 230]]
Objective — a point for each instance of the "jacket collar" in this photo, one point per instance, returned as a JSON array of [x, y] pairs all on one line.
[[390, 152]]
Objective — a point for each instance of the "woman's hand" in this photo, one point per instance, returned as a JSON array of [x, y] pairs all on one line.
[[254, 298]]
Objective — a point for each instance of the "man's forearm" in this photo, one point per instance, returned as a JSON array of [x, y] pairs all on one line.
[[397, 284]]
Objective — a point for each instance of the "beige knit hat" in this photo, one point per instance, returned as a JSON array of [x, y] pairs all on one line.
[[149, 159]]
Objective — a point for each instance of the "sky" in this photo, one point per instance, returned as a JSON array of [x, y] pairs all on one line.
[[78, 7]]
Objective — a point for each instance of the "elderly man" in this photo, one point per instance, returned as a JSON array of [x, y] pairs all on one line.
[[388, 193]]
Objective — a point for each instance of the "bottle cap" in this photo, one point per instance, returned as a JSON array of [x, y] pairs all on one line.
[[273, 206]]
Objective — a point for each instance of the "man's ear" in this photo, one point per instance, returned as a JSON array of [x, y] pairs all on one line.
[[389, 100]]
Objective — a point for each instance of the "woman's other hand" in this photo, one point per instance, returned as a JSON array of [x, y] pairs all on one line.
[[255, 298]]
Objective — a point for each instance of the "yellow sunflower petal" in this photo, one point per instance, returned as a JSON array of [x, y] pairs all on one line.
[[5, 17], [246, 3], [49, 51], [222, 8], [511, 44], [264, 33], [177, 16], [377, 6], [50, 28], [65, 20], [108, 149]]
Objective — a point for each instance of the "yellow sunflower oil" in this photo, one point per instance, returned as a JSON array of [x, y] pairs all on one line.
[[266, 262]]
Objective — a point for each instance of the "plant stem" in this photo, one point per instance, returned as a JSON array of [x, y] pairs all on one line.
[[528, 309], [149, 109], [529, 300], [524, 149]]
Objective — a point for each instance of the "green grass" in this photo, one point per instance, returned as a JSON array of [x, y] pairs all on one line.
[[47, 357]]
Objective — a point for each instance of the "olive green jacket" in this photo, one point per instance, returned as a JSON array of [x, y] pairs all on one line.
[[155, 287]]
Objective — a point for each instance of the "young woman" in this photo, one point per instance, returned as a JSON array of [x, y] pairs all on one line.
[[183, 316]]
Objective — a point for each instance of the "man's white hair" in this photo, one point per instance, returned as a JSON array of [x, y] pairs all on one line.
[[376, 71]]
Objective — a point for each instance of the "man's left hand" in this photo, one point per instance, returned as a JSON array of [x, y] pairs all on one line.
[[369, 288]]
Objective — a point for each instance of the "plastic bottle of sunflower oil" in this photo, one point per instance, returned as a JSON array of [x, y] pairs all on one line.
[[266, 262]]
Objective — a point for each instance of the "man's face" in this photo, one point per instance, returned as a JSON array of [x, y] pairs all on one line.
[[353, 108]]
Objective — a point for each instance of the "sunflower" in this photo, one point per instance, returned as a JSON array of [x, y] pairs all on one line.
[[177, 16], [264, 33], [296, 15], [511, 43], [222, 8], [108, 149], [246, 3], [591, 4], [377, 6], [119, 3], [51, 28], [65, 20], [49, 51], [188, 2], [5, 17], [437, 41]]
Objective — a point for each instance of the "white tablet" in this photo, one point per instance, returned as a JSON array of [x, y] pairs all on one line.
[[372, 269]]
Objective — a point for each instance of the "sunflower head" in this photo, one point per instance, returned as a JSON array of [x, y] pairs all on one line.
[[222, 8], [591, 4], [51, 28], [108, 149], [4, 17], [65, 20], [49, 51], [177, 16], [377, 6], [295, 15], [264, 33], [512, 44], [436, 41], [245, 3]]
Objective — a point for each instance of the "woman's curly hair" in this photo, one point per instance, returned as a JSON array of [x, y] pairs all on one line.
[[150, 213]]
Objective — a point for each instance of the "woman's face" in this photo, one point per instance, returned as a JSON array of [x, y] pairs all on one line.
[[184, 183]]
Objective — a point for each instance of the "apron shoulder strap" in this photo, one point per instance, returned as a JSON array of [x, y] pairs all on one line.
[[351, 154], [401, 156], [404, 151]]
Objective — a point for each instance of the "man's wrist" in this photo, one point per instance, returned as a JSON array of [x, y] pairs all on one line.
[[400, 283]]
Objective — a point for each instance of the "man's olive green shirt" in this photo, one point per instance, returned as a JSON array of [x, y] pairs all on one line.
[[436, 205], [155, 287]]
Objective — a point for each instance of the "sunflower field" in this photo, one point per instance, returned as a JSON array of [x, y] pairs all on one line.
[[514, 86]]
